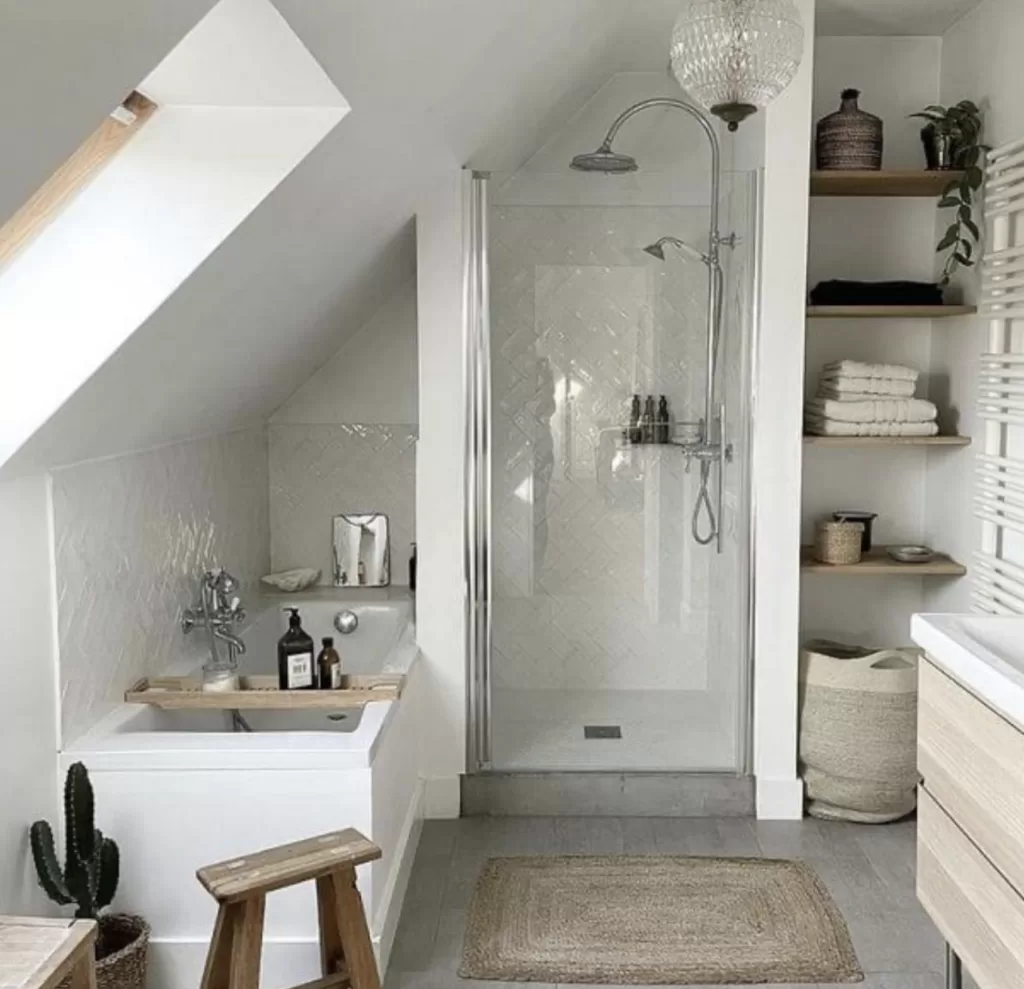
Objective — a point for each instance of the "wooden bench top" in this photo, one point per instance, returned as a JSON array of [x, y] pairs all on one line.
[[38, 952], [285, 865]]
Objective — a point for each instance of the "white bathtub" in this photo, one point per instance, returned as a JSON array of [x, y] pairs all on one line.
[[181, 789]]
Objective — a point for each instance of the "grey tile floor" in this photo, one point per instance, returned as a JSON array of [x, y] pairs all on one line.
[[868, 870]]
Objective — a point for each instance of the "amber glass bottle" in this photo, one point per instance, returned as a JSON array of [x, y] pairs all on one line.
[[328, 665]]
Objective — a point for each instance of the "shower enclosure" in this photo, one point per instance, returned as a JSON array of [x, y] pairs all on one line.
[[607, 631]]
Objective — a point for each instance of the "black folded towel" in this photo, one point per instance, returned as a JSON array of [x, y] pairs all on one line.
[[844, 293]]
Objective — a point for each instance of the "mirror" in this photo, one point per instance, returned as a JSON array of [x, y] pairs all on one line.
[[362, 554]]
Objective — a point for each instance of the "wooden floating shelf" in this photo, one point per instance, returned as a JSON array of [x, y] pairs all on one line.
[[872, 442], [262, 692], [888, 312], [877, 564], [882, 183]]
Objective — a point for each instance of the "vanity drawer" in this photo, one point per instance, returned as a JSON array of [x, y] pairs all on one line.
[[972, 761], [977, 911]]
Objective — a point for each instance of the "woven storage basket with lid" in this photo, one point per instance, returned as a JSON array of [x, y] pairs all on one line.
[[850, 138], [838, 543]]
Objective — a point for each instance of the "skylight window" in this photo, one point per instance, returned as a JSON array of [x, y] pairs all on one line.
[[74, 174]]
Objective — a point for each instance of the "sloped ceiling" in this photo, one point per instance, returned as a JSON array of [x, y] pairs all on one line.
[[432, 86]]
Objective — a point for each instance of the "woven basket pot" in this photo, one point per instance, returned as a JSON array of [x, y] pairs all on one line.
[[850, 138], [858, 732], [124, 939], [839, 543]]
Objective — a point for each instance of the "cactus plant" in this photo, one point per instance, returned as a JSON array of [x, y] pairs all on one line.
[[92, 861]]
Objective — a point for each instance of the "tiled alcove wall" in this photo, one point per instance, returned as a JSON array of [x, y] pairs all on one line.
[[319, 470], [597, 582], [131, 534], [345, 443]]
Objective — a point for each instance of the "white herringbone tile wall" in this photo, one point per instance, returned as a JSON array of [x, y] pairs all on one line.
[[131, 535], [321, 470], [598, 583]]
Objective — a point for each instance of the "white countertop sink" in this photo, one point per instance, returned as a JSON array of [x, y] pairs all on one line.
[[984, 652]]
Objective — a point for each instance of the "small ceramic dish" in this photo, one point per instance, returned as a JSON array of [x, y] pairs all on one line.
[[291, 581], [911, 554]]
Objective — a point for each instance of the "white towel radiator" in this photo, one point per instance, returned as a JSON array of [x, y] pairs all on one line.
[[999, 488]]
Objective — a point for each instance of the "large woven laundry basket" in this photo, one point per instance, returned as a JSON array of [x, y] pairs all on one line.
[[858, 731]]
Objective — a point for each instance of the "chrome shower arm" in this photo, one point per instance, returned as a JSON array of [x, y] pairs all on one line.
[[709, 132], [715, 241]]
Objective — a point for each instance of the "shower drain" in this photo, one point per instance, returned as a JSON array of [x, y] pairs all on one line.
[[602, 731]]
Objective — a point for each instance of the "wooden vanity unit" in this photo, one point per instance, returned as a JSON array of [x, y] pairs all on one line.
[[970, 839]]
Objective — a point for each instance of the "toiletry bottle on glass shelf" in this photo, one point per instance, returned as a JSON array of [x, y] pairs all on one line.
[[635, 434], [647, 424], [664, 428], [328, 664], [295, 668]]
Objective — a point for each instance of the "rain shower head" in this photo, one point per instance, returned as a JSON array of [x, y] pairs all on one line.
[[604, 160], [656, 250]]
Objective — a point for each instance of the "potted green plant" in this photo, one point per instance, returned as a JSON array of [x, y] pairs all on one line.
[[89, 880], [950, 135], [952, 141]]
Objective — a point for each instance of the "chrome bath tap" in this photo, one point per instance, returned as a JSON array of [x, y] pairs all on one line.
[[217, 610]]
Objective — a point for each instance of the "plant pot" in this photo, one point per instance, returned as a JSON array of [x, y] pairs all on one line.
[[123, 941], [940, 149]]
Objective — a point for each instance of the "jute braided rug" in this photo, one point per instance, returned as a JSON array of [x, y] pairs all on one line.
[[652, 920]]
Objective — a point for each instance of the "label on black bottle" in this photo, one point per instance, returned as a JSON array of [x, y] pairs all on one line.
[[300, 670]]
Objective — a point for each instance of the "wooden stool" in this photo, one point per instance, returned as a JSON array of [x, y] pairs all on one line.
[[240, 887], [40, 952]]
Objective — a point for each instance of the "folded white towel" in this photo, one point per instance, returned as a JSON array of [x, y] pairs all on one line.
[[818, 426], [840, 387], [856, 396], [873, 410], [857, 369]]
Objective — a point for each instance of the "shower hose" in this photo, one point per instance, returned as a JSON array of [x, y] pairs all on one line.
[[704, 507]]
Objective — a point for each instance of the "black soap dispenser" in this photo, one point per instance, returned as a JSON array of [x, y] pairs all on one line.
[[295, 669]]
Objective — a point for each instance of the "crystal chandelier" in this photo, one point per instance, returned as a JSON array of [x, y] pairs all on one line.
[[734, 56]]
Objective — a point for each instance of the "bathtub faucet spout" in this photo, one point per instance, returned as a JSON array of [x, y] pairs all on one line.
[[217, 610]]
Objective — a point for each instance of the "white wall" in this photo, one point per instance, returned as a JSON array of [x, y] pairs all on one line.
[[28, 700], [132, 535], [777, 437], [981, 62], [372, 378], [981, 59], [440, 485]]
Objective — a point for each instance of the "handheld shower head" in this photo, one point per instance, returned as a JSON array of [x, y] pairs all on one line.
[[604, 160], [657, 249]]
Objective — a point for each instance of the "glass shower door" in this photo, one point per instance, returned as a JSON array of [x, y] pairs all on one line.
[[616, 641]]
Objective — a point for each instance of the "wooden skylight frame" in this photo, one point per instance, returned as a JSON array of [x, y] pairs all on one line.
[[97, 149]]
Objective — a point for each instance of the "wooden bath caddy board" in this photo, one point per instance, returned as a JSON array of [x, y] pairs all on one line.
[[263, 692]]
